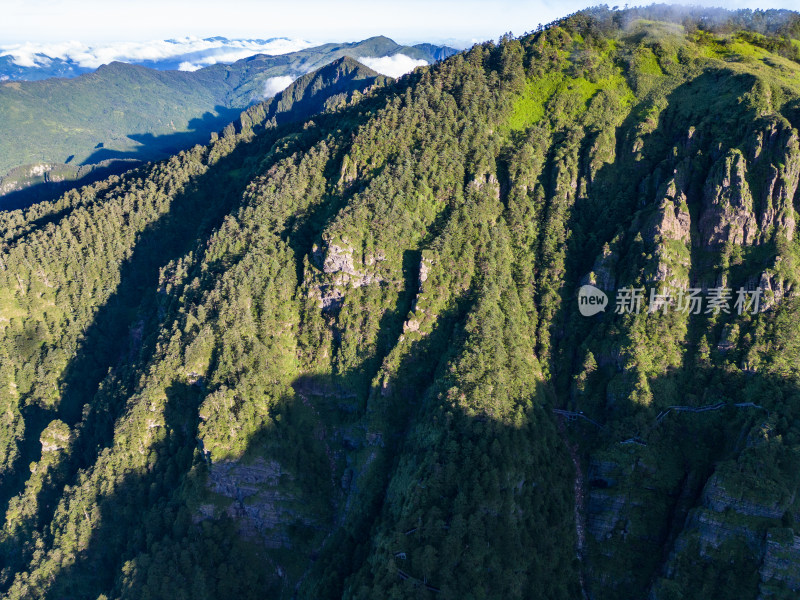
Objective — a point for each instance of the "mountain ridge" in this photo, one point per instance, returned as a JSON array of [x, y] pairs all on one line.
[[48, 66], [123, 112]]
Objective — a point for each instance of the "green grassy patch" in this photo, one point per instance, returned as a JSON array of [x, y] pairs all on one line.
[[529, 108]]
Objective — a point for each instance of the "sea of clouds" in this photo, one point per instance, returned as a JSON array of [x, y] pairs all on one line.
[[188, 54], [185, 54]]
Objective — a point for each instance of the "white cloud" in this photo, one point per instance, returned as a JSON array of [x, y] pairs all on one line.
[[187, 66], [36, 55], [189, 50], [393, 66], [274, 85]]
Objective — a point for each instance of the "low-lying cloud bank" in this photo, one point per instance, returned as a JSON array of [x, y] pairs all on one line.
[[393, 66], [275, 85], [187, 53]]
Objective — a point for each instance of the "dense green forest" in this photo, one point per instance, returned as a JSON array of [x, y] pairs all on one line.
[[53, 132], [320, 358], [323, 89]]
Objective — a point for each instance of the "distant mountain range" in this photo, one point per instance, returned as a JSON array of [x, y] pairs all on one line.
[[34, 62], [60, 130]]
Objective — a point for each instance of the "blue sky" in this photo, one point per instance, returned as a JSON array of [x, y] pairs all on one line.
[[407, 21]]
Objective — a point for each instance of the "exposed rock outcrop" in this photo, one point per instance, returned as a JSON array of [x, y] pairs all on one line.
[[779, 567], [674, 221], [606, 507], [725, 517], [779, 142], [340, 272], [602, 275], [728, 204], [718, 498], [425, 264], [773, 290], [260, 505], [488, 180], [712, 529], [56, 436]]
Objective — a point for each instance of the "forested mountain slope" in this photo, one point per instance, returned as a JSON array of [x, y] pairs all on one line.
[[320, 360], [319, 90], [50, 130]]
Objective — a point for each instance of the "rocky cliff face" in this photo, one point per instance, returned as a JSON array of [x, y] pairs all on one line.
[[778, 571], [602, 273], [728, 215], [335, 271], [713, 212], [261, 507]]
